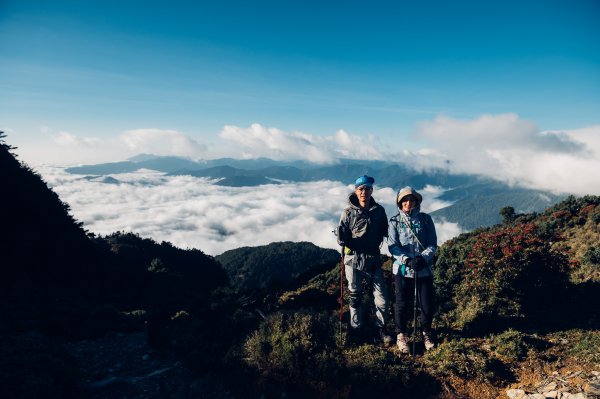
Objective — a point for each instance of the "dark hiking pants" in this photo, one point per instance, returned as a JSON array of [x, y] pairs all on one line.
[[403, 311]]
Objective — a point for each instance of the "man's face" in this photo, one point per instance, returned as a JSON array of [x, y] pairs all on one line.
[[408, 203], [364, 195]]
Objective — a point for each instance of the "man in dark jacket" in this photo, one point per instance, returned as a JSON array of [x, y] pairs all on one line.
[[362, 228]]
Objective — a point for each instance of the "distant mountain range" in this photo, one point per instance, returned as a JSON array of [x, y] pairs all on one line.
[[476, 200]]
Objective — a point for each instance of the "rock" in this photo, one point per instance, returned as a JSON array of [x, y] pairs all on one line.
[[536, 396], [106, 382], [515, 393], [551, 394], [579, 395], [592, 388], [549, 387]]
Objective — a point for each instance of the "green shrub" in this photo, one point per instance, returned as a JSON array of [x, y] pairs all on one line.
[[509, 345], [584, 345], [449, 268], [292, 344], [592, 256], [374, 365], [459, 358], [157, 266], [501, 273]]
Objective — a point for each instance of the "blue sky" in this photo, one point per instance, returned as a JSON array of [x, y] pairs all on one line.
[[91, 81]]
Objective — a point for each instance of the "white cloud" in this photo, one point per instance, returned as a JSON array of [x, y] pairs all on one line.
[[68, 148], [161, 142], [446, 230], [503, 147], [509, 149], [498, 130], [354, 147], [259, 141], [195, 213], [504, 131], [71, 140]]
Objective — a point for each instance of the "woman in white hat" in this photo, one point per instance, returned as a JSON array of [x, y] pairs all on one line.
[[412, 241]]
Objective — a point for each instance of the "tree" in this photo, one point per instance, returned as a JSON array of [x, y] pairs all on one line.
[[508, 214]]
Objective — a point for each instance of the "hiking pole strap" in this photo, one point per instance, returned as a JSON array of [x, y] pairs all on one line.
[[408, 224]]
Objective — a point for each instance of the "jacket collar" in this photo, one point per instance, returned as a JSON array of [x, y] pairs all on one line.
[[353, 200], [412, 214]]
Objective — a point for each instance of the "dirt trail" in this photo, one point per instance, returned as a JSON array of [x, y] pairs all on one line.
[[124, 366]]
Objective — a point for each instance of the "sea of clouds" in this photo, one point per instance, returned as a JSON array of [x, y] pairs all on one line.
[[504, 147], [192, 212]]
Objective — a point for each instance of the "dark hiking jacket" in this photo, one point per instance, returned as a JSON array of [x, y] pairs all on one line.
[[364, 230]]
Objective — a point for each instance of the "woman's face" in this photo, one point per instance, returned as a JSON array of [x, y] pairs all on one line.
[[408, 203]]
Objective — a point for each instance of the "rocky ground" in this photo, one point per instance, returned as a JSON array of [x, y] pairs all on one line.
[[568, 385], [122, 365]]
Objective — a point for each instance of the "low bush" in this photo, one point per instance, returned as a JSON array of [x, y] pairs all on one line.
[[501, 274], [293, 344], [374, 365], [460, 358], [583, 345], [509, 345]]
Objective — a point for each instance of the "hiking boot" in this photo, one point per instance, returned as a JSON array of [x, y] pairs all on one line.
[[384, 337], [428, 341], [402, 343]]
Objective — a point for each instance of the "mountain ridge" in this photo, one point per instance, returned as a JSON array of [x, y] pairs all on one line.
[[475, 200]]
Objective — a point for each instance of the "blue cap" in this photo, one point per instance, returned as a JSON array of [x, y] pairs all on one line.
[[364, 181]]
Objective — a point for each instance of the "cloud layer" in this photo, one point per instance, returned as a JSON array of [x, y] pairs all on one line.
[[504, 147], [259, 141], [512, 150], [162, 142], [194, 213]]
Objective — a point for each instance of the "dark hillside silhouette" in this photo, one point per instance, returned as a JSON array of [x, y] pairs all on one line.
[[44, 252], [47, 259]]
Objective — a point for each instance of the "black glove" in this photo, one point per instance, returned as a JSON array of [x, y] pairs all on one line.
[[420, 263], [410, 264], [416, 264], [344, 235]]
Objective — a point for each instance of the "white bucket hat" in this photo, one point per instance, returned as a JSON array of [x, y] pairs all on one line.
[[408, 191]]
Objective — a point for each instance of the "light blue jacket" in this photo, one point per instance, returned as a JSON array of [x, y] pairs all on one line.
[[403, 245]]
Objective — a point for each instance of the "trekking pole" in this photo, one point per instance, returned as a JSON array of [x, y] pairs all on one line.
[[415, 278], [341, 292], [414, 340]]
